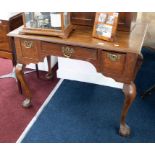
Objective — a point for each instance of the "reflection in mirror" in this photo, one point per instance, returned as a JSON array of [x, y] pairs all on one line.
[[104, 30], [55, 20], [102, 17], [46, 20], [66, 19]]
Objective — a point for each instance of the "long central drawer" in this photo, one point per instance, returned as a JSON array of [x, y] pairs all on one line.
[[69, 51]]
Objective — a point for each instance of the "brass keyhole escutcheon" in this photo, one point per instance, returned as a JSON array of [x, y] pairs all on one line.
[[67, 51], [28, 43], [113, 57]]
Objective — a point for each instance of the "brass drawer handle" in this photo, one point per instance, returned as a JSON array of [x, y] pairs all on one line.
[[113, 57], [28, 44], [67, 51]]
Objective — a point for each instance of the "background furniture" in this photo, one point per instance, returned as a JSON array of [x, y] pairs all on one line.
[[7, 49], [126, 21], [6, 43]]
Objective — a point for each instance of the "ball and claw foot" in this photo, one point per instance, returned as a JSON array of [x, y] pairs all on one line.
[[124, 130], [26, 103]]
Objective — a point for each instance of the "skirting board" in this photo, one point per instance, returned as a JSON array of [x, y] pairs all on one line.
[[83, 71]]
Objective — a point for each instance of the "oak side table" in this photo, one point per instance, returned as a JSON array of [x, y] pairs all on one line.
[[119, 60]]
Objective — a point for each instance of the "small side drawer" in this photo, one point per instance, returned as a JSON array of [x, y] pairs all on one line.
[[113, 62], [29, 49], [68, 51]]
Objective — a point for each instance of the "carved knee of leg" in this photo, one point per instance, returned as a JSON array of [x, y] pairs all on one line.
[[129, 91]]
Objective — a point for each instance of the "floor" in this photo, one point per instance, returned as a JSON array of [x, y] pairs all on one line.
[[14, 118]]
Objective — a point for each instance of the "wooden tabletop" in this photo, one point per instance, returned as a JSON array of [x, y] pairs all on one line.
[[82, 36]]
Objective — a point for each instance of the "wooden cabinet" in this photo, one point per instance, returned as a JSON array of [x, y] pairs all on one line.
[[83, 18], [4, 40], [6, 43], [126, 20]]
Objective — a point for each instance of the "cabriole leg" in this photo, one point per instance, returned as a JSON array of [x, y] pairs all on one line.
[[130, 94], [20, 76]]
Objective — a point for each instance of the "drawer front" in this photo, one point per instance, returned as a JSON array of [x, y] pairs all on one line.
[[4, 28], [113, 63], [68, 51], [29, 49], [4, 40]]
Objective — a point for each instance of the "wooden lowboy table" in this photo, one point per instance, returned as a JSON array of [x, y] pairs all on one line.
[[119, 60]]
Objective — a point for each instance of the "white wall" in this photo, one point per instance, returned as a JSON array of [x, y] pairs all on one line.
[[8, 15], [149, 18], [43, 65], [83, 71], [77, 70]]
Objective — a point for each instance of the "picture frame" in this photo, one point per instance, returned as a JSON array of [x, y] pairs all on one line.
[[105, 25]]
